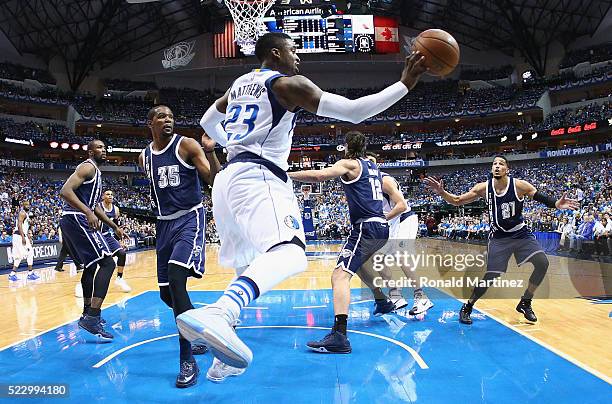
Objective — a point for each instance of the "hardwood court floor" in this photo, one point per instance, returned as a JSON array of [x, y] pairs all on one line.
[[573, 328]]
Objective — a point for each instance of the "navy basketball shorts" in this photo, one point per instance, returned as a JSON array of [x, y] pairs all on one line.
[[88, 245], [180, 241], [501, 249], [112, 242], [365, 239]]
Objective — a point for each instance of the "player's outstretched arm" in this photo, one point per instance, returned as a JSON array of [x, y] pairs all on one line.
[[340, 168], [437, 185], [525, 188], [213, 118], [84, 172], [299, 92], [389, 187]]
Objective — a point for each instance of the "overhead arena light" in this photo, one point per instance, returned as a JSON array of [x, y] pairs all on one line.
[[519, 137], [64, 145], [519, 113], [504, 138], [76, 146], [534, 135], [54, 145], [99, 125], [84, 147]]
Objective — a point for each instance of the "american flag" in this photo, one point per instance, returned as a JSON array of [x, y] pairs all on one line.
[[224, 46]]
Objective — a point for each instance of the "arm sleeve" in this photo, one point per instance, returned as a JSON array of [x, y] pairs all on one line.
[[211, 123], [356, 111]]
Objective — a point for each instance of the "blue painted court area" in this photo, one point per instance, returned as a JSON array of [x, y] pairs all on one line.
[[395, 359]]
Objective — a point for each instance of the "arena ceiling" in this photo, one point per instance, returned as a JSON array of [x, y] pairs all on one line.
[[97, 33]]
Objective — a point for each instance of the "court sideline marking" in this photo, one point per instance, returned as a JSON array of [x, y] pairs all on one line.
[[565, 356], [67, 322]]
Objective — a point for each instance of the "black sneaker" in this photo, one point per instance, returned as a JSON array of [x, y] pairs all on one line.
[[334, 342], [464, 314], [92, 325], [59, 269], [188, 375], [102, 320], [198, 349], [383, 307], [524, 307]]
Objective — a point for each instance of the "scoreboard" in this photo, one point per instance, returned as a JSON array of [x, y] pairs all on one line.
[[334, 34]]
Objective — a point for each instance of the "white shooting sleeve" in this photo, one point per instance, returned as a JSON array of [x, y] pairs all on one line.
[[211, 123], [356, 111]]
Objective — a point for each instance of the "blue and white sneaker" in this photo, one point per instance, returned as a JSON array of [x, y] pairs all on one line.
[[213, 327], [334, 342], [383, 307], [13, 278], [32, 276], [92, 325], [188, 374]]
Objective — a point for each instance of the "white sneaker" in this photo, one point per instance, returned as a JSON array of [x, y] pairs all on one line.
[[122, 284], [399, 302], [78, 290], [421, 304], [211, 326], [219, 371]]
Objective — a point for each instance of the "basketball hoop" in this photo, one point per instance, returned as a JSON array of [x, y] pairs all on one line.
[[248, 21]]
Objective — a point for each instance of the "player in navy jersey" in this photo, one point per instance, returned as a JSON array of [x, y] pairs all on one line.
[[114, 214], [254, 206], [403, 228], [80, 224], [176, 166], [362, 184], [509, 234]]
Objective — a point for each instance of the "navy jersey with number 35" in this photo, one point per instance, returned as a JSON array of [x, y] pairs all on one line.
[[175, 185]]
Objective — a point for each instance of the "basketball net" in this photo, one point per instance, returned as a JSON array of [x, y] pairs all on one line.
[[248, 21]]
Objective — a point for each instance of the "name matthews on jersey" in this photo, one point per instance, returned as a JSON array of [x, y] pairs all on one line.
[[253, 89]]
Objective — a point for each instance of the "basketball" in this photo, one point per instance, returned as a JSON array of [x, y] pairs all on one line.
[[440, 49]]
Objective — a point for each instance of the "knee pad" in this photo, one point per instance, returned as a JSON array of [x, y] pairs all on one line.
[[177, 273], [107, 264], [165, 296], [120, 257], [540, 267]]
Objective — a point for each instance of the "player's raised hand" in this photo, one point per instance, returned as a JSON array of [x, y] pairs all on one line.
[[208, 143], [435, 184], [413, 69], [566, 203]]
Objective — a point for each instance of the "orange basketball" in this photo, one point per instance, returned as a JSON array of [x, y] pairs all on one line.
[[440, 49]]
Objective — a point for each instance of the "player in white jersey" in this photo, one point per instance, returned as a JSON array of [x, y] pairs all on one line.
[[22, 245], [254, 206], [403, 229]]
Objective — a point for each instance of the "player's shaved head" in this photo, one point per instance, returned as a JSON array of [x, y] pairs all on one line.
[[154, 110], [269, 41]]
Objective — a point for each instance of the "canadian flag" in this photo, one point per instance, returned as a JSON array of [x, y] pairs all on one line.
[[386, 34]]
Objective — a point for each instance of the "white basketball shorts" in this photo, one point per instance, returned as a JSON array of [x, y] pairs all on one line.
[[254, 210]]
